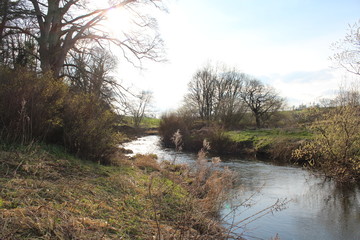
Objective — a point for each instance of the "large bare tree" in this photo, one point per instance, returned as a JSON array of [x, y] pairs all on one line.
[[58, 26], [229, 107], [9, 12], [202, 92], [262, 100]]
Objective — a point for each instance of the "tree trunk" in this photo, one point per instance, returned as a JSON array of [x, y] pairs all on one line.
[[258, 121]]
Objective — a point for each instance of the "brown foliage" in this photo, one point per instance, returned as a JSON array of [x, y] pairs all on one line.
[[88, 127], [170, 124], [30, 105], [41, 108]]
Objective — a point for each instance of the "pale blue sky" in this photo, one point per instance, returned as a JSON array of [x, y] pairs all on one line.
[[285, 43]]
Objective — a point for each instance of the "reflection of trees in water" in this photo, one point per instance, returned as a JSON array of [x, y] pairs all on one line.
[[338, 205], [319, 206]]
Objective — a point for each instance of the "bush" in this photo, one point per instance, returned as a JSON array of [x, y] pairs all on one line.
[[219, 141], [170, 124], [88, 127], [336, 146], [30, 105], [40, 108]]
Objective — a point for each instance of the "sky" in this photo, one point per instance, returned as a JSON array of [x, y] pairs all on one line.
[[283, 43]]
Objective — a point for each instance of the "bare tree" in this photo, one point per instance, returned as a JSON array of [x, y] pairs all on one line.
[[5, 6], [263, 101], [14, 49], [229, 107], [58, 26], [9, 12], [94, 74], [348, 50], [215, 94], [202, 92], [139, 107], [348, 95]]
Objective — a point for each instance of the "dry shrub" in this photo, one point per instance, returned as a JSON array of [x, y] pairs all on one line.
[[30, 105], [40, 108], [185, 202], [169, 124], [118, 158], [220, 142], [282, 149], [88, 128], [211, 183], [177, 214], [147, 162]]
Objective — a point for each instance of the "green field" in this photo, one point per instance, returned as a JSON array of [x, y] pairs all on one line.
[[263, 137], [147, 122], [150, 122]]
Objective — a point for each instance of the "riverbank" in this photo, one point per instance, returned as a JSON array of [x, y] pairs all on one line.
[[49, 194], [270, 144], [266, 144]]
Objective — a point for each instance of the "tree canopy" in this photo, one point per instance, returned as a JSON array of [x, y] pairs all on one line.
[[59, 26]]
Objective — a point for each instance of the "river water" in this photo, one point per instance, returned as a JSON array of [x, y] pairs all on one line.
[[316, 208]]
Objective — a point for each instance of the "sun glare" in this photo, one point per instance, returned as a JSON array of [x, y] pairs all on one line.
[[119, 20]]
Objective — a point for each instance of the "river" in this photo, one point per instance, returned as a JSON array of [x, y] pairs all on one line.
[[316, 208]]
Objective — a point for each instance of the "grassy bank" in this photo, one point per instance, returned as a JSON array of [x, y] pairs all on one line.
[[47, 194], [273, 144], [262, 137]]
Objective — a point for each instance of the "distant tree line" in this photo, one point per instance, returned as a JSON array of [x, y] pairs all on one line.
[[224, 95]]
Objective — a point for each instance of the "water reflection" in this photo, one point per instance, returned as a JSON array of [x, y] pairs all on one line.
[[319, 209]]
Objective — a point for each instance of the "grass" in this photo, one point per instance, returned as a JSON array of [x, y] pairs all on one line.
[[147, 122], [150, 122], [50, 197], [46, 193], [263, 137]]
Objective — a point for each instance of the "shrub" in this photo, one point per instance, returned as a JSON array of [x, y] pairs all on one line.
[[40, 108], [147, 162], [169, 124], [220, 142], [336, 146], [30, 105], [88, 127]]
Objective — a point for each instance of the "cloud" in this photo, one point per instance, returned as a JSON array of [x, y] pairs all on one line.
[[308, 76], [305, 86]]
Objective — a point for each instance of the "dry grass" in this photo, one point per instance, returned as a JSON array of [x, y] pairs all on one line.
[[211, 183], [147, 162], [47, 194], [50, 195]]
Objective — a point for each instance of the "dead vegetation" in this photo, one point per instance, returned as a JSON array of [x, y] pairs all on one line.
[[47, 194]]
